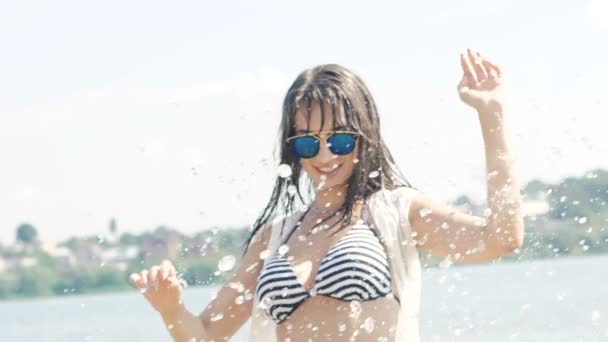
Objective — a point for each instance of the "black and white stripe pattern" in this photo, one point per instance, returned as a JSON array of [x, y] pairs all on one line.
[[278, 289], [356, 268]]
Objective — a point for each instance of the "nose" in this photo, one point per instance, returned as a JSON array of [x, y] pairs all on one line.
[[324, 155]]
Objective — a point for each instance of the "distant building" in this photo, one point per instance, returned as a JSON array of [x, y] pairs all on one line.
[[163, 246], [65, 258], [48, 247], [120, 256], [88, 252]]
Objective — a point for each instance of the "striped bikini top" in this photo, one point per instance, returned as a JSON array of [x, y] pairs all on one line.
[[355, 268]]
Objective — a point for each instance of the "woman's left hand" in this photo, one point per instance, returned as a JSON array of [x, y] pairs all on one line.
[[482, 84]]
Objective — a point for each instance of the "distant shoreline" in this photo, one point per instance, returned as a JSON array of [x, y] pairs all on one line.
[[127, 289]]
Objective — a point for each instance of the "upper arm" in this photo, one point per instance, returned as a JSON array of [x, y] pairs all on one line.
[[242, 283], [443, 230]]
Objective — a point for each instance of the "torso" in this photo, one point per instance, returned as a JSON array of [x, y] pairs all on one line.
[[321, 317]]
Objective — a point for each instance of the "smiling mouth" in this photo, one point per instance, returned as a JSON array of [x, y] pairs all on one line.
[[329, 171]]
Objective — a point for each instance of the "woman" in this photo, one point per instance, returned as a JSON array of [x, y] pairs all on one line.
[[346, 267]]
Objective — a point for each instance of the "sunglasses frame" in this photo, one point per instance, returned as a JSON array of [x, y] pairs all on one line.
[[327, 134]]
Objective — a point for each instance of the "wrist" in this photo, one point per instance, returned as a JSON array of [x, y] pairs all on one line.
[[173, 314]]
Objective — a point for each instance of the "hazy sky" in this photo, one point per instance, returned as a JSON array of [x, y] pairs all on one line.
[[167, 112]]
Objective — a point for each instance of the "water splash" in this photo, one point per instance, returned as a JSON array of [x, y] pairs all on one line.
[[226, 263], [284, 171]]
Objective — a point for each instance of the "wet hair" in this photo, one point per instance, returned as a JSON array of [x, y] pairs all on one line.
[[335, 86]]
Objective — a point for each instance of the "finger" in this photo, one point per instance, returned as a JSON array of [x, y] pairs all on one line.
[[492, 73], [153, 276], [167, 270], [493, 68], [164, 273], [144, 278], [466, 68], [475, 60], [137, 280], [467, 78], [172, 270]]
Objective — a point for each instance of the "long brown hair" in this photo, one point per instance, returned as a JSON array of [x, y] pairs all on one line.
[[375, 169]]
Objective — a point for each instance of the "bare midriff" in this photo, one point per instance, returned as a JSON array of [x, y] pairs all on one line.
[[322, 318]]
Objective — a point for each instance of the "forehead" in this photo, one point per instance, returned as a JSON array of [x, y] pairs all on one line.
[[316, 119]]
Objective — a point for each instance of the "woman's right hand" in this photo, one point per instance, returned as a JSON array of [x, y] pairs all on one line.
[[160, 286]]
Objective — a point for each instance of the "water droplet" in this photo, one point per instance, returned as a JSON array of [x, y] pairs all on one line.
[[265, 303], [264, 254], [595, 316], [292, 189], [369, 325], [283, 250], [355, 307], [239, 300], [582, 220], [217, 317], [445, 263], [374, 174], [322, 182], [425, 211], [226, 263], [237, 286], [341, 327], [284, 171]]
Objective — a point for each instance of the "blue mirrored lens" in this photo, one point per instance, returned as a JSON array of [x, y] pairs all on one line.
[[342, 143], [306, 147]]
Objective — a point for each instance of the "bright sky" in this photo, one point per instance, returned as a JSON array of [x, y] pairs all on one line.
[[166, 112]]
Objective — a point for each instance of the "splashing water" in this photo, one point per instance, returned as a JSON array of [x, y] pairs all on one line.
[[369, 325], [217, 317], [425, 212], [283, 250], [264, 254], [595, 316], [226, 263], [292, 190], [284, 171], [322, 182], [355, 308]]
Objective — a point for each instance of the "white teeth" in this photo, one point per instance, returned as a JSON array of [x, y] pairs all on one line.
[[328, 169]]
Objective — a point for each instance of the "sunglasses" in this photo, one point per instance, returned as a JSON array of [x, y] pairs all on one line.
[[307, 145]]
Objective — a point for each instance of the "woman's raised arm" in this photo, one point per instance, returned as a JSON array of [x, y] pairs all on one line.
[[224, 315]]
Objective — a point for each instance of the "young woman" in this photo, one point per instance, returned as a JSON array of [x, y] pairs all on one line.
[[344, 265]]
